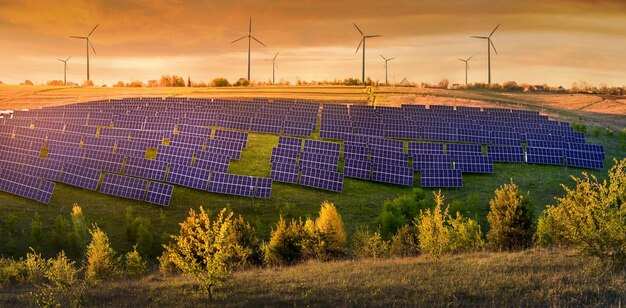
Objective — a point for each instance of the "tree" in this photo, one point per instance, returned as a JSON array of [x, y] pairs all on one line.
[[188, 81], [36, 232], [510, 219], [220, 82], [592, 215], [401, 211], [102, 261], [286, 245], [329, 232], [134, 263], [367, 244], [203, 249], [119, 84], [443, 83], [242, 82], [55, 83], [405, 243], [80, 231]]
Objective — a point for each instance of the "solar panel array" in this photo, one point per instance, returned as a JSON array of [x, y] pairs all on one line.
[[26, 186], [80, 141]]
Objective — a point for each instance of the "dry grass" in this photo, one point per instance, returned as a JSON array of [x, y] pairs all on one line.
[[528, 278]]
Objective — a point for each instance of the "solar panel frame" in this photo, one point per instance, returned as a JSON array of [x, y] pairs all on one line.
[[159, 193], [124, 186]]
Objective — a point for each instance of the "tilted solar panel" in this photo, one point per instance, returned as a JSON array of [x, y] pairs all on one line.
[[232, 184], [159, 193], [474, 164], [123, 186], [322, 179], [400, 175], [287, 173], [359, 169], [80, 176], [263, 188], [441, 178], [188, 176], [45, 192], [145, 168]]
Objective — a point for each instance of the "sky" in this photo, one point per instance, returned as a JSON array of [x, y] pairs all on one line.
[[554, 42]]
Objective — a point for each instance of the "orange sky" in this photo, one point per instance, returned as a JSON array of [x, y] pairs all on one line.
[[556, 42]]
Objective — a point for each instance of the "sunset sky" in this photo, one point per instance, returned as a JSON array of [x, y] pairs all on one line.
[[554, 42]]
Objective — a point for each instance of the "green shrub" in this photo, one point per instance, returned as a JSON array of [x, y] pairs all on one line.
[[592, 215], [102, 261], [547, 233], [134, 264], [60, 234], [366, 244], [510, 219], [405, 243], [328, 235], [286, 243], [609, 132], [204, 249], [579, 127], [80, 231], [12, 271], [246, 238], [597, 131], [242, 82], [36, 232], [440, 234], [401, 211], [63, 286], [220, 82]]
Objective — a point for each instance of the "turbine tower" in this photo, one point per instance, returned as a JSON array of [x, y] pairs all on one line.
[[274, 66], [86, 38], [363, 37], [489, 46], [386, 61], [466, 67], [65, 70], [250, 38]]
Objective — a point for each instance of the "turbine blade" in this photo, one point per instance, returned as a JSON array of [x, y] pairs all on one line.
[[361, 42], [79, 37], [357, 28], [239, 39], [250, 28], [276, 65], [94, 29], [383, 57], [494, 30], [390, 59], [480, 37], [61, 60], [257, 40], [494, 46], [461, 60], [469, 58], [370, 36], [275, 56], [92, 48]]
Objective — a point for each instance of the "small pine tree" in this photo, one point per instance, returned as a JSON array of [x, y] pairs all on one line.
[[134, 263], [329, 232], [286, 243], [511, 219], [432, 232], [80, 231], [102, 262]]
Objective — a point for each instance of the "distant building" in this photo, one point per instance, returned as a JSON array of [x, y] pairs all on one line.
[[405, 83], [456, 86]]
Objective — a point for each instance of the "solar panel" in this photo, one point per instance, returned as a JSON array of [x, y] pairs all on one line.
[[284, 154], [316, 160], [286, 173], [103, 160], [431, 161], [263, 188], [19, 184], [441, 178], [400, 175], [322, 179], [232, 135], [544, 156], [45, 192], [123, 186], [145, 168], [359, 169], [80, 176], [43, 168], [454, 148], [473, 164], [514, 154], [188, 176], [425, 148], [232, 184], [159, 193]]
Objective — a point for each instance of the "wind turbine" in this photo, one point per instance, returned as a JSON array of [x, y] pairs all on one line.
[[386, 61], [489, 46], [86, 38], [363, 43], [466, 67], [65, 70], [274, 66], [250, 37]]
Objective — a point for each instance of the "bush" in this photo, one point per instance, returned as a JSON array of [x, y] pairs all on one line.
[[405, 243], [204, 249], [246, 239], [286, 243], [329, 236], [36, 232], [597, 131], [63, 286], [510, 219], [366, 244], [80, 231], [547, 233], [134, 264], [12, 271], [439, 234], [220, 82], [592, 215], [102, 262], [242, 82], [579, 127], [401, 211]]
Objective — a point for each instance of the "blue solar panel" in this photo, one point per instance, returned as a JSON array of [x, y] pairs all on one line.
[[513, 154], [400, 175], [425, 148], [453, 148], [45, 192], [159, 193], [232, 184], [145, 168], [473, 164], [359, 169], [80, 176], [432, 161], [544, 156], [104, 161], [287, 173], [441, 178], [19, 184], [188, 176], [284, 154], [232, 135], [124, 186], [322, 179], [263, 188]]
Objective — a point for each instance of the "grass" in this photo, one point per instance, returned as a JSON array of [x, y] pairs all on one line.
[[528, 278]]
